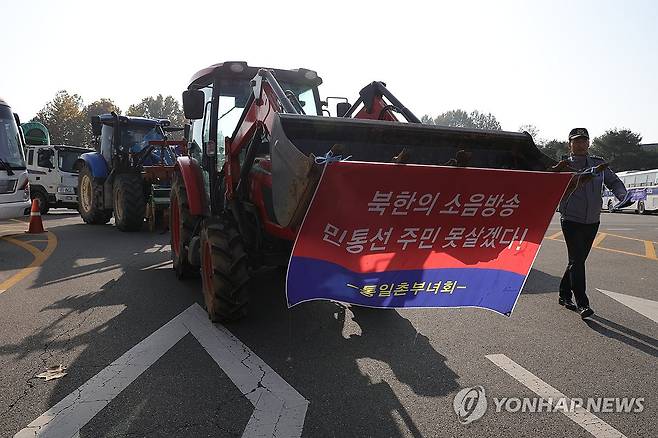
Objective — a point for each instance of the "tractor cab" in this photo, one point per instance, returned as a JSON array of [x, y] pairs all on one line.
[[218, 95], [127, 139]]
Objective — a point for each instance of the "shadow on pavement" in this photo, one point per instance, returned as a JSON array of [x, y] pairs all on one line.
[[110, 291], [540, 282], [356, 382], [623, 334], [346, 361]]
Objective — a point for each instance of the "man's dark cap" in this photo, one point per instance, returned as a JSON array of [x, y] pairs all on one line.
[[578, 132]]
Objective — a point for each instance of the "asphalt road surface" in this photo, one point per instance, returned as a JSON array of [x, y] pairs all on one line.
[[142, 360]]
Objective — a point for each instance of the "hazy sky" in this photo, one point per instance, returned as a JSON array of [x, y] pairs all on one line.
[[554, 64]]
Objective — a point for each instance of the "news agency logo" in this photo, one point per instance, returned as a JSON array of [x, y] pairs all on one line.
[[470, 404]]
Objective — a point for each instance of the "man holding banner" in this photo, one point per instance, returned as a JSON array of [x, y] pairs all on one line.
[[580, 211]]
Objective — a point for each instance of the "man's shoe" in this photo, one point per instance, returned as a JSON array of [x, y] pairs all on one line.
[[566, 302], [585, 312]]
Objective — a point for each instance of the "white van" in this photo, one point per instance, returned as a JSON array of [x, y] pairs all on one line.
[[14, 183], [53, 180]]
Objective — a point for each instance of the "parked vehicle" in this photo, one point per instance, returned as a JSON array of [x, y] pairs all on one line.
[[53, 179], [238, 200], [129, 174], [643, 186], [14, 182]]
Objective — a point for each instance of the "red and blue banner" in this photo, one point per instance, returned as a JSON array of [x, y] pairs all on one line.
[[391, 235]]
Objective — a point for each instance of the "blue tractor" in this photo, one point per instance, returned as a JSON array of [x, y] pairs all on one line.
[[129, 175]]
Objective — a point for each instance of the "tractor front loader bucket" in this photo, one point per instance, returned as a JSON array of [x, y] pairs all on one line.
[[296, 141]]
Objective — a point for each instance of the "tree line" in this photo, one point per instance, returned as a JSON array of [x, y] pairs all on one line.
[[620, 147], [68, 119]]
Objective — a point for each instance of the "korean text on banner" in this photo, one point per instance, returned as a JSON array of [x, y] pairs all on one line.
[[387, 235]]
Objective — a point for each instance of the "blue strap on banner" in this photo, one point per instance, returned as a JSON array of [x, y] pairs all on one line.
[[329, 157]]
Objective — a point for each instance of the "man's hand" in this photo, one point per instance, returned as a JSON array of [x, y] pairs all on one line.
[[563, 166], [601, 167]]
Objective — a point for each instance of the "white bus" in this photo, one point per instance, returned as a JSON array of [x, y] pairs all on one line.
[[14, 183], [643, 186]]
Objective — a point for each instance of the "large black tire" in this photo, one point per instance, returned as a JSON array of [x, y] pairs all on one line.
[[181, 225], [641, 209], [129, 202], [42, 197], [90, 195], [224, 270]]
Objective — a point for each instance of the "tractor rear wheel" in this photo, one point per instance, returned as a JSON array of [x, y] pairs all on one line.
[[129, 202], [224, 270], [181, 226], [90, 194]]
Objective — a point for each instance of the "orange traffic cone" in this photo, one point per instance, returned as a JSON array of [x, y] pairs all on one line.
[[36, 226]]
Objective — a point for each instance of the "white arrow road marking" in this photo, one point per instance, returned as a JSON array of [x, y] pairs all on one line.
[[579, 415], [279, 410], [642, 306]]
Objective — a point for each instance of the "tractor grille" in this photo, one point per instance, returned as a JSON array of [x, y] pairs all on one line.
[[8, 186]]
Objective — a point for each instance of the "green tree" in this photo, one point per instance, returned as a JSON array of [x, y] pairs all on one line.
[[461, 119], [555, 149], [427, 120], [160, 107], [456, 118], [64, 118], [101, 106], [532, 130], [485, 121], [621, 148]]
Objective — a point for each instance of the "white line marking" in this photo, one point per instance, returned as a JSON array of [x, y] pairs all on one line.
[[620, 229], [579, 415], [642, 306], [279, 410]]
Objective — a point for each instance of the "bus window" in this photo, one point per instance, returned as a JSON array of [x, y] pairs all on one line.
[[653, 179]]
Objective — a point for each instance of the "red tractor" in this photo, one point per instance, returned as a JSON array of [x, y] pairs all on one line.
[[238, 199]]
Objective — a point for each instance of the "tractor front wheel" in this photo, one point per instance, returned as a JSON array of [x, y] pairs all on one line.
[[129, 202], [181, 225], [224, 270], [90, 194]]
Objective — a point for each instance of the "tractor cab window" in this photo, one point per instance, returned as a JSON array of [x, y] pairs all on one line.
[[306, 97], [107, 132], [233, 97], [136, 138]]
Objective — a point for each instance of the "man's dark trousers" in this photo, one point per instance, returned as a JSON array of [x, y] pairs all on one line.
[[579, 238]]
